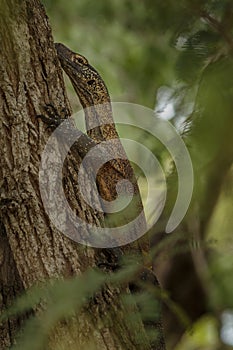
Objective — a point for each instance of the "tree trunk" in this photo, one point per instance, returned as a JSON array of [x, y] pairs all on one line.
[[31, 248]]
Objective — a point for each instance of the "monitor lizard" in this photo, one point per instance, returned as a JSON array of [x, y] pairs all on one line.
[[95, 100]]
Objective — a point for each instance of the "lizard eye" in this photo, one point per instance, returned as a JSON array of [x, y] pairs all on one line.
[[91, 82], [81, 60]]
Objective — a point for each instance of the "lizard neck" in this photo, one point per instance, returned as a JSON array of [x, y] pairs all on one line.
[[98, 111], [99, 122]]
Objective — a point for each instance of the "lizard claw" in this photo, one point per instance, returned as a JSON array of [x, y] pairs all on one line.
[[51, 116], [113, 257]]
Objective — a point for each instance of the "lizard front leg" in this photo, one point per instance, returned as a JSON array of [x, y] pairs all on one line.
[[53, 120]]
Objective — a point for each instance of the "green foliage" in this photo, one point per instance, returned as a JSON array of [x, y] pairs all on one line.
[[203, 336], [60, 300], [221, 269]]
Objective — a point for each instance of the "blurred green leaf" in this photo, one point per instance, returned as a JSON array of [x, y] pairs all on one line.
[[202, 336]]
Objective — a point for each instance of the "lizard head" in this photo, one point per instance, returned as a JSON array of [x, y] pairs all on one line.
[[86, 81]]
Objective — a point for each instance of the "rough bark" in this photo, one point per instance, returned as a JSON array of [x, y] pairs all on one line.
[[32, 249]]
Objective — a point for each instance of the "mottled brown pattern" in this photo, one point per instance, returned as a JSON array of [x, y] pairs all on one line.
[[95, 99]]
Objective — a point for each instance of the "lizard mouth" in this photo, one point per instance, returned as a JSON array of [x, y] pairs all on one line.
[[65, 56], [62, 50]]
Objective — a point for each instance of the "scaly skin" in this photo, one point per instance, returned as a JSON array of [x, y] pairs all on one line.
[[93, 93]]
